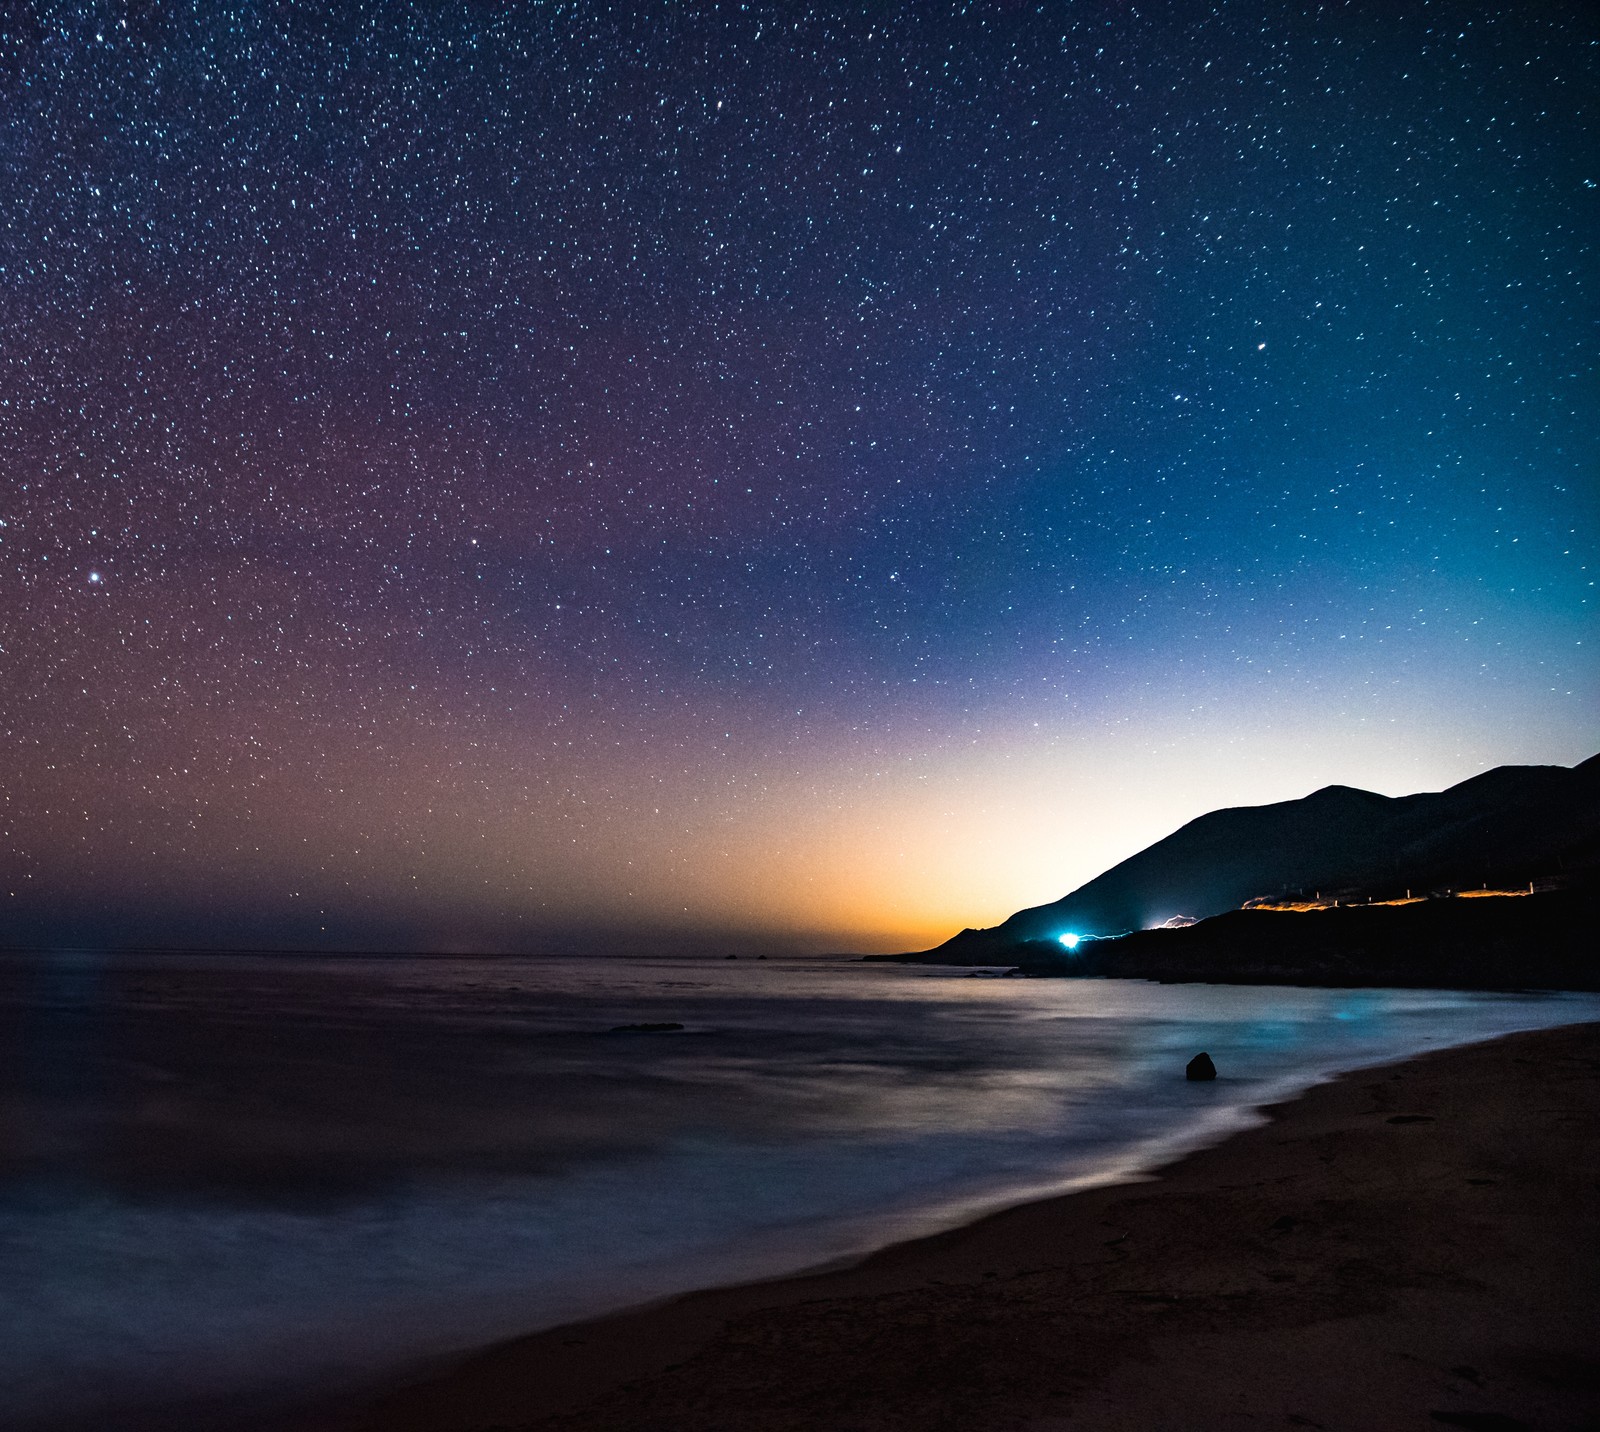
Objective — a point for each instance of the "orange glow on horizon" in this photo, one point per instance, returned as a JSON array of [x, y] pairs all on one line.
[[491, 837]]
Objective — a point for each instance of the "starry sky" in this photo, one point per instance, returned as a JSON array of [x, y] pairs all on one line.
[[600, 476]]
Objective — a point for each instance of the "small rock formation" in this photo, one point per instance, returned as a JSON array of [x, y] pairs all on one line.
[[1200, 1067]]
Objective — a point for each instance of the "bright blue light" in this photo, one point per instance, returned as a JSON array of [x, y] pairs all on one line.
[[1070, 940]]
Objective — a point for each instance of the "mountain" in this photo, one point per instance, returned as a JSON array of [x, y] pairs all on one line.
[[1505, 827], [1540, 941]]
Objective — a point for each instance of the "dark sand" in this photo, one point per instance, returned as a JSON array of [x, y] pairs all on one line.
[[1411, 1247]]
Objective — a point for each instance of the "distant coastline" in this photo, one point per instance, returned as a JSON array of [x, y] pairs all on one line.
[[1343, 887], [1542, 941]]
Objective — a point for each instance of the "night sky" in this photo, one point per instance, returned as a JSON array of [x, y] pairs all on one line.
[[601, 476]]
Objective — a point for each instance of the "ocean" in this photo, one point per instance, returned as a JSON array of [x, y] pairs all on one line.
[[265, 1176]]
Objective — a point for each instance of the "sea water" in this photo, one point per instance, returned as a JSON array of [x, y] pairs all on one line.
[[263, 1176]]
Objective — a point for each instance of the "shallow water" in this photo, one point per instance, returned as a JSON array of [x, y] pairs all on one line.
[[214, 1165]]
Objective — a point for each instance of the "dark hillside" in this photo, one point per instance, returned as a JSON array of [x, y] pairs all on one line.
[[1542, 941], [1505, 827]]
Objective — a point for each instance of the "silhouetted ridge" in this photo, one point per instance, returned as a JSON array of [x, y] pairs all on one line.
[[1507, 826], [1540, 941]]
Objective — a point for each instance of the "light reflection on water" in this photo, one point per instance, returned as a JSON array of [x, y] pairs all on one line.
[[320, 1165]]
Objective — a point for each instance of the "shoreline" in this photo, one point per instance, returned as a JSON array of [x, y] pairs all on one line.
[[1300, 1240], [1460, 942]]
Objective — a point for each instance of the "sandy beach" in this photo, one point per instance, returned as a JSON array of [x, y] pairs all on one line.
[[1410, 1246]]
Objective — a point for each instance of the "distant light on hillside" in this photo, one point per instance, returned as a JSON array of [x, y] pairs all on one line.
[[1070, 940]]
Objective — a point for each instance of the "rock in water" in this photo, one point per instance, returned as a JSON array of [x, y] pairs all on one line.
[[1200, 1067]]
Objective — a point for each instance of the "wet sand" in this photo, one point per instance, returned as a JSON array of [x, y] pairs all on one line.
[[1413, 1246]]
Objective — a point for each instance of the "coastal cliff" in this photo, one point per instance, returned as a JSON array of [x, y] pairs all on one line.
[[1512, 827]]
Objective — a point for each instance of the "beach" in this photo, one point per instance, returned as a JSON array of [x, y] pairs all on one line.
[[1407, 1246]]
